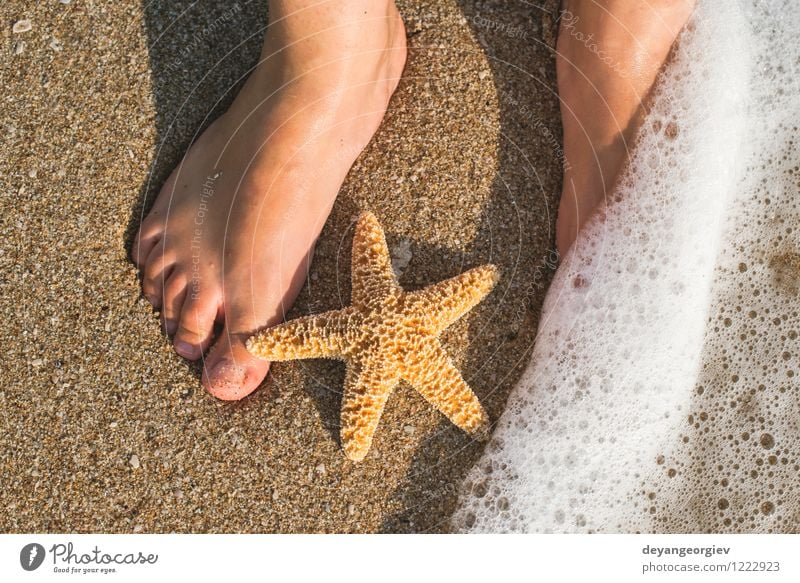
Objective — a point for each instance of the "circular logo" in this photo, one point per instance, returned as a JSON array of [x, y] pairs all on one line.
[[31, 556]]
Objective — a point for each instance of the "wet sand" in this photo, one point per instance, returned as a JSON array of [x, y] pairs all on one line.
[[102, 426]]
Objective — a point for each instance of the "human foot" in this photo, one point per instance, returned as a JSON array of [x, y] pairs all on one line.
[[608, 56], [230, 235]]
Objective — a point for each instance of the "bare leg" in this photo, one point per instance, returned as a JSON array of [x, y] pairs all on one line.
[[609, 54]]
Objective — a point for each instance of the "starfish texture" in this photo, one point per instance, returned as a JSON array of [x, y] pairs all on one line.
[[386, 335]]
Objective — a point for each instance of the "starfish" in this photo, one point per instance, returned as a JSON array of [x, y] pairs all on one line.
[[386, 335]]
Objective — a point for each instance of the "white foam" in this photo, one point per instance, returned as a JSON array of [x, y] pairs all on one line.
[[648, 361]]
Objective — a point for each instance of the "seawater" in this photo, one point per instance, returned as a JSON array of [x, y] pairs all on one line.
[[663, 393]]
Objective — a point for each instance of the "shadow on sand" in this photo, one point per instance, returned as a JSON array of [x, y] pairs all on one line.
[[524, 199], [200, 52]]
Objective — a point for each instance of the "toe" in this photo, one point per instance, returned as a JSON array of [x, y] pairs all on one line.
[[156, 272], [230, 372], [146, 239], [196, 325], [173, 298]]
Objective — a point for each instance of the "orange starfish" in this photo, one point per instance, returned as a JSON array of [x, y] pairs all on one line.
[[386, 335]]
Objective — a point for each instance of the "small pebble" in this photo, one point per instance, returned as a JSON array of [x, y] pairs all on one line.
[[401, 257], [21, 26], [134, 461], [410, 429], [55, 44], [320, 469], [37, 362], [482, 75]]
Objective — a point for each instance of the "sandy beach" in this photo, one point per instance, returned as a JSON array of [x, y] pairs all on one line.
[[102, 426]]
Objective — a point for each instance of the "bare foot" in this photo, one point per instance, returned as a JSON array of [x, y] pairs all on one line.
[[231, 232], [608, 56]]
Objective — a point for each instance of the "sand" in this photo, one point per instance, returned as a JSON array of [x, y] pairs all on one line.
[[103, 427]]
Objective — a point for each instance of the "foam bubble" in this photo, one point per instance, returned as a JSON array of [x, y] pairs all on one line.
[[662, 391]]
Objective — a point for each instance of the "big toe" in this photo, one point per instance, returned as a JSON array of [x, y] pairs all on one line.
[[230, 372]]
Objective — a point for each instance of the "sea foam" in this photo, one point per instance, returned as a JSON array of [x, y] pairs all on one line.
[[662, 393]]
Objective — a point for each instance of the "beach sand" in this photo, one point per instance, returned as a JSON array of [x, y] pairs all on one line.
[[102, 426]]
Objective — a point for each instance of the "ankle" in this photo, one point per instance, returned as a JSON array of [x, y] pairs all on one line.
[[613, 22], [305, 36], [332, 51]]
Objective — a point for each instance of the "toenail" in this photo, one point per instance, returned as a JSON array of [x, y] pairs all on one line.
[[185, 349], [170, 326]]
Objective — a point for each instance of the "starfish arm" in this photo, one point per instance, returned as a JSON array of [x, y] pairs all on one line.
[[372, 275], [319, 336], [443, 303], [443, 387], [366, 391]]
